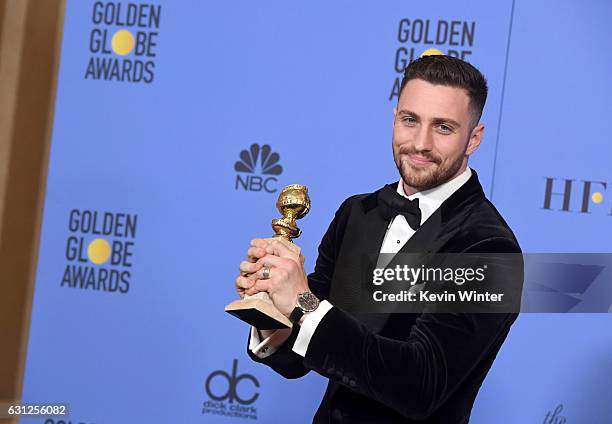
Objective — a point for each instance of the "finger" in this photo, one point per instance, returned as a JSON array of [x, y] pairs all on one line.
[[259, 242], [260, 286], [279, 248], [272, 261], [255, 253], [240, 289], [249, 267], [259, 275], [243, 283]]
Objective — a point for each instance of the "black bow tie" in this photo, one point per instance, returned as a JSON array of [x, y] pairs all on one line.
[[391, 204]]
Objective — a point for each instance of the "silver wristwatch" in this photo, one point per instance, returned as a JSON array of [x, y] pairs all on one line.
[[306, 302]]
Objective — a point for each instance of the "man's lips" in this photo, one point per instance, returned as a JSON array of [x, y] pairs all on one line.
[[419, 160]]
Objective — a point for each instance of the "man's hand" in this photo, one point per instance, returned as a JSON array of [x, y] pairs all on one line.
[[287, 276], [246, 279]]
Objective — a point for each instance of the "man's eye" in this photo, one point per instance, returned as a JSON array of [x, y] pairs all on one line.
[[445, 128], [409, 120]]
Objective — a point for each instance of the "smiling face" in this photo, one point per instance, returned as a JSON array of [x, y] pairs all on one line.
[[433, 134]]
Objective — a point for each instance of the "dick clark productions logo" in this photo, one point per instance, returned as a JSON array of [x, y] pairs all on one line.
[[99, 250], [123, 42], [231, 394], [258, 160]]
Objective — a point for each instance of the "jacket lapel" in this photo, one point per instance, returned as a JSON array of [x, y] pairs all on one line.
[[445, 221]]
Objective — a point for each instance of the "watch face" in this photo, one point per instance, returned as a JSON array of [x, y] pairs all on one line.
[[308, 302]]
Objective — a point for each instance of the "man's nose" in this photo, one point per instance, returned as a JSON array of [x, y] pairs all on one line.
[[423, 139]]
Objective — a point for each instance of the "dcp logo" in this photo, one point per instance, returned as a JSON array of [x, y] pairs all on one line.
[[231, 393]]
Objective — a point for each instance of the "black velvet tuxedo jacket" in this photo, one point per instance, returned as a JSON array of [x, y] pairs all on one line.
[[399, 368]]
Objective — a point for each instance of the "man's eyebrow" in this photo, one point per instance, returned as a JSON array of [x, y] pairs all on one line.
[[446, 121], [407, 112], [404, 112]]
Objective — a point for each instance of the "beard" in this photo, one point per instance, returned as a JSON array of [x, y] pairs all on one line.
[[426, 177]]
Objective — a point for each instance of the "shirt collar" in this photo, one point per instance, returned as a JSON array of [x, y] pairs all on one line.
[[430, 200]]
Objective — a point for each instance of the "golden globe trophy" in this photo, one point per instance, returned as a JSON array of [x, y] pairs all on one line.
[[258, 310]]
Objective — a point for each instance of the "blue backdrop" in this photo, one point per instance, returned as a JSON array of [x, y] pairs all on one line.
[[147, 214]]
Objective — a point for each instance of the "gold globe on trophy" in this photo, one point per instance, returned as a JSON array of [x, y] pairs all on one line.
[[258, 310]]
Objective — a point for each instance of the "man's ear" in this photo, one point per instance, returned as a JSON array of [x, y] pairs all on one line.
[[394, 115], [475, 139]]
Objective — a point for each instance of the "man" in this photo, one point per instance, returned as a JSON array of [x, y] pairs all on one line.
[[394, 368]]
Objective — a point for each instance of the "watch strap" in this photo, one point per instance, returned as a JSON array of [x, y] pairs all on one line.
[[296, 315]]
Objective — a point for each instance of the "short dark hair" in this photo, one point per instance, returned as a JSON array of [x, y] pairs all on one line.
[[452, 72]]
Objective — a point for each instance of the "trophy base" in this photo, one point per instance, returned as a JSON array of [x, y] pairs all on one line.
[[259, 312]]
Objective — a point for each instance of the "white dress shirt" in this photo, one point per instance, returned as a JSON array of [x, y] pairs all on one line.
[[398, 233]]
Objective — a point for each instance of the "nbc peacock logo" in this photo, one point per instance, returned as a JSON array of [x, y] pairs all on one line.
[[257, 168]]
